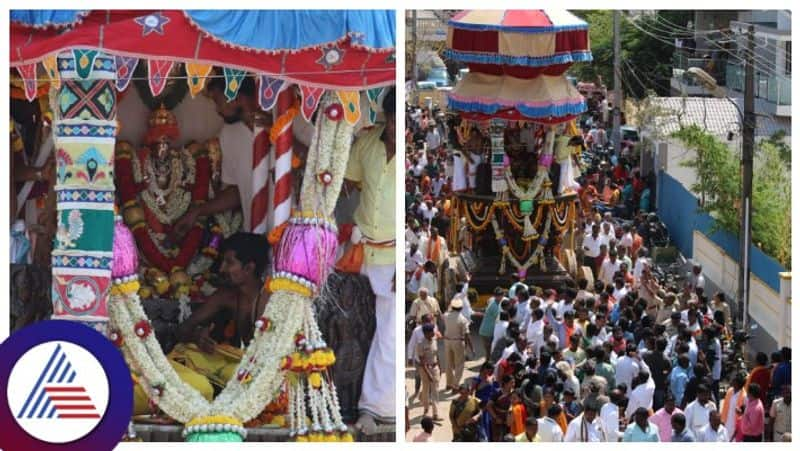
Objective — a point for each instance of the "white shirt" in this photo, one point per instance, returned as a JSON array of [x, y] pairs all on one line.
[[534, 336], [626, 240], [428, 280], [730, 422], [579, 430], [592, 245], [607, 270], [459, 172], [641, 396], [413, 261], [609, 415], [499, 331], [637, 269], [706, 434], [549, 430], [416, 338], [466, 310], [627, 368], [620, 293], [562, 307], [716, 368], [427, 212], [411, 238], [697, 415], [432, 139], [437, 185], [523, 315], [236, 141]]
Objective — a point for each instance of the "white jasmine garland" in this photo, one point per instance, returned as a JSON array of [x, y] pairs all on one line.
[[243, 398]]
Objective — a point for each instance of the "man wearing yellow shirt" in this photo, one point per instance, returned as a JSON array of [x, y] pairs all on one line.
[[531, 433], [372, 170]]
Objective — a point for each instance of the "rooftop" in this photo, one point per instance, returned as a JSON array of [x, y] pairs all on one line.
[[717, 116]]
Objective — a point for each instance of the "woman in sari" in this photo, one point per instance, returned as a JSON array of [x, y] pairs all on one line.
[[485, 388]]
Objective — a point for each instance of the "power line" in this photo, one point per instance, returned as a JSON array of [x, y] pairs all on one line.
[[764, 69], [765, 62], [662, 39], [639, 80]]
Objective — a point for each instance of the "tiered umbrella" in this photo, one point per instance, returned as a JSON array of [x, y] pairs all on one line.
[[517, 60]]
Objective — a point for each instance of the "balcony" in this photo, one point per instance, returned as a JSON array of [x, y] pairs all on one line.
[[774, 92], [683, 84], [682, 60]]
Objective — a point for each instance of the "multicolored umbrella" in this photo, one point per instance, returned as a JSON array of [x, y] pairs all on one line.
[[543, 38], [517, 59]]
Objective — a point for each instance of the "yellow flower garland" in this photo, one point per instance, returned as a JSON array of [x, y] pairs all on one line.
[[125, 288], [214, 419], [285, 284]]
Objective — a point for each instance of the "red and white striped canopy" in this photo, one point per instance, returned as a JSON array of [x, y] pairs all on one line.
[[539, 38]]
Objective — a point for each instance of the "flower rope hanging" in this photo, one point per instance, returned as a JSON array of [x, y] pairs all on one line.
[[287, 345]]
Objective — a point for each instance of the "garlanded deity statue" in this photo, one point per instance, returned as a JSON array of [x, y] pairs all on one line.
[[156, 185]]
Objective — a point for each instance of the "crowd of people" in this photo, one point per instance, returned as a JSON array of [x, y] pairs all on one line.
[[621, 355]]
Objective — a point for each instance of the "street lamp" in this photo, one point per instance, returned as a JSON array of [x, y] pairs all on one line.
[[748, 132]]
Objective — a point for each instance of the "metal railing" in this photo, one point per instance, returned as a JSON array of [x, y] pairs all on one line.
[[715, 67], [774, 89]]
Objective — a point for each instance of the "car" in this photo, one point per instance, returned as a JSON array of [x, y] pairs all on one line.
[[438, 75], [629, 133]]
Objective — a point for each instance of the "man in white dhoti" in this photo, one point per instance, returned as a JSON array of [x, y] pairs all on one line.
[[372, 169]]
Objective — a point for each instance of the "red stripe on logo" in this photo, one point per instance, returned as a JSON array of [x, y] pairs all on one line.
[[74, 407], [70, 398], [65, 389]]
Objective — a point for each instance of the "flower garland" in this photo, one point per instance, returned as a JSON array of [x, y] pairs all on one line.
[[506, 251], [287, 343], [331, 142]]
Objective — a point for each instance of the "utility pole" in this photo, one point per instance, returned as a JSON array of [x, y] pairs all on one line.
[[748, 145], [414, 47], [616, 133]]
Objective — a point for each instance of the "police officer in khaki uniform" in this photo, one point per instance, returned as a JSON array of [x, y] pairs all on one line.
[[456, 331], [428, 355]]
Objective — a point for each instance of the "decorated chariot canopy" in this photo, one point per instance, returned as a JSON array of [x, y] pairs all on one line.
[[517, 60], [334, 50]]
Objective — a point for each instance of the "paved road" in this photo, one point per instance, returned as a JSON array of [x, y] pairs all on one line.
[[442, 432]]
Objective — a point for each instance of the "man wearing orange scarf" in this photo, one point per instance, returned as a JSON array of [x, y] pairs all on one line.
[[734, 399], [434, 248]]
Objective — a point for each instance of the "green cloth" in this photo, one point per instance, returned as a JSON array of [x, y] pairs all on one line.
[[85, 230], [607, 372], [489, 318], [633, 433], [214, 437]]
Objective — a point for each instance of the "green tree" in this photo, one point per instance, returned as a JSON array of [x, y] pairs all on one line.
[[646, 50], [718, 184]]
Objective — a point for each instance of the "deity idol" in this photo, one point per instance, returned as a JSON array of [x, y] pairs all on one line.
[[156, 185]]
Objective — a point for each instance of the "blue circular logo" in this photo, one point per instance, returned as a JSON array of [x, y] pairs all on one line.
[[66, 386]]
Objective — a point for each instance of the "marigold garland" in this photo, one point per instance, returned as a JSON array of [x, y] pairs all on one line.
[[282, 121]]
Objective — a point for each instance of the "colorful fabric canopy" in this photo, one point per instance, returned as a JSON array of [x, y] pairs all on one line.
[[532, 38], [549, 97], [324, 49], [517, 59]]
